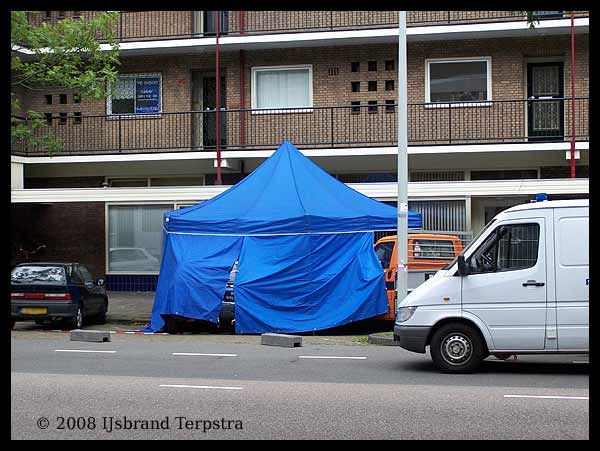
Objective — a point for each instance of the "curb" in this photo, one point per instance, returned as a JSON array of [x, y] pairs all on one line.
[[376, 339]]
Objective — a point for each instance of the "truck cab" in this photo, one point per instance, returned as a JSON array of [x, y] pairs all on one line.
[[427, 253]]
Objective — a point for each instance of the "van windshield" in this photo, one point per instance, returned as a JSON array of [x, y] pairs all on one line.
[[474, 240]]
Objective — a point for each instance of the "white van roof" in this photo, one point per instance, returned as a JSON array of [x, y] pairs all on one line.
[[550, 204]]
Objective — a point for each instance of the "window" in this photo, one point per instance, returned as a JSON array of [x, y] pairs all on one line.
[[372, 66], [48, 117], [355, 86], [384, 253], [63, 99], [77, 117], [390, 106], [425, 248], [458, 80], [48, 99], [508, 248], [373, 85], [136, 94], [63, 118], [281, 87], [389, 65], [389, 85], [355, 67], [372, 106], [135, 237], [355, 107]]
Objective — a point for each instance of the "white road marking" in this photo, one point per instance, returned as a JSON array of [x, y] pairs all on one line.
[[329, 357], [202, 386], [83, 350], [547, 397], [581, 361], [207, 355]]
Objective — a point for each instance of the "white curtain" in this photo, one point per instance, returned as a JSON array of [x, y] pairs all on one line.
[[283, 88]]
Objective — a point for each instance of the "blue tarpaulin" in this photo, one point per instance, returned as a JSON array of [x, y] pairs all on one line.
[[304, 242]]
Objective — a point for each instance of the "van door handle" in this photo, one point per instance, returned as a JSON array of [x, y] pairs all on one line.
[[533, 283]]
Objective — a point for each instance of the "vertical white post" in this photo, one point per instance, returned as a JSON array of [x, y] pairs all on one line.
[[402, 274]]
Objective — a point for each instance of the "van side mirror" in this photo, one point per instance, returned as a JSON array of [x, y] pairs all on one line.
[[463, 268]]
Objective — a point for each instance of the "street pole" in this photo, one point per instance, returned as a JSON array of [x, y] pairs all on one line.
[[572, 94], [402, 234]]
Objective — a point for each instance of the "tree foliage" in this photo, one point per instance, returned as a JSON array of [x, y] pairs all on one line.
[[74, 54]]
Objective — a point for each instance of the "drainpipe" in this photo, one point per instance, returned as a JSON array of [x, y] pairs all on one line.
[[242, 99], [218, 109], [241, 20], [572, 94]]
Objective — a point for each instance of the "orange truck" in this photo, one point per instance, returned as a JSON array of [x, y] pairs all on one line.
[[426, 254]]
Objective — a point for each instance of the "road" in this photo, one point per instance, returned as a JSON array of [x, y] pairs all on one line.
[[228, 387]]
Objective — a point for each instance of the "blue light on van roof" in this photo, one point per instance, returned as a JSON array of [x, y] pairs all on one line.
[[540, 197]]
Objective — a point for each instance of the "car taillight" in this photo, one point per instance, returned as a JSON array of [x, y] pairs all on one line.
[[58, 296], [41, 296]]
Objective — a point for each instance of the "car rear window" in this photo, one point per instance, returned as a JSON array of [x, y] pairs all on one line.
[[39, 275]]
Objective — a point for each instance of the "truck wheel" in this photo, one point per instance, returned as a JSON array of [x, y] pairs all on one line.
[[456, 348]]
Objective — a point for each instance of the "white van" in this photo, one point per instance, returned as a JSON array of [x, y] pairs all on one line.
[[520, 287]]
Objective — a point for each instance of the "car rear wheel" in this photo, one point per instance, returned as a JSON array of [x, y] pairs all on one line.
[[76, 322], [456, 348]]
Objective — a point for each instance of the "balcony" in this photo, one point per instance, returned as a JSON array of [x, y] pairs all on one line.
[[322, 127], [163, 25]]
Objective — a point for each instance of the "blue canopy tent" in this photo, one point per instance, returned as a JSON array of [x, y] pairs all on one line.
[[304, 245]]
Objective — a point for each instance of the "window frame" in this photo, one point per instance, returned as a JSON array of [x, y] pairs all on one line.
[[301, 109], [430, 104], [111, 115]]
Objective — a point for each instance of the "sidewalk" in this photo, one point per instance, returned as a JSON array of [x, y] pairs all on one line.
[[130, 306]]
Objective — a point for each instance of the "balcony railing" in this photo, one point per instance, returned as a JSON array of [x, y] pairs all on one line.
[[157, 25], [499, 121]]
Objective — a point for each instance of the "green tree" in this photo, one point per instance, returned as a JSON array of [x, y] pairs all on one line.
[[62, 55]]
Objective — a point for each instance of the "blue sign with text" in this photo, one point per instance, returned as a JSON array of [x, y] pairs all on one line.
[[147, 95]]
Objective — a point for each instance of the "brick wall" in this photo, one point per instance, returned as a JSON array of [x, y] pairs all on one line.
[[71, 232], [509, 57]]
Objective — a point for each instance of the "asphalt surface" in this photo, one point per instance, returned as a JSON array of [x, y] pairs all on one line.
[[231, 387]]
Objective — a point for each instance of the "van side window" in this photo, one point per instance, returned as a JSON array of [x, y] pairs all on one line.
[[509, 248], [384, 253]]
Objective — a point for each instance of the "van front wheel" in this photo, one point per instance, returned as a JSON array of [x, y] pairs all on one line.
[[456, 348]]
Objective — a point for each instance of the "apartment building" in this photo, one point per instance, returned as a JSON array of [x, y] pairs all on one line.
[[490, 119]]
